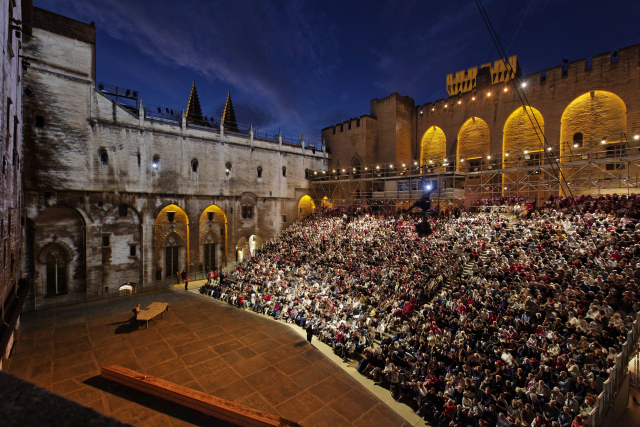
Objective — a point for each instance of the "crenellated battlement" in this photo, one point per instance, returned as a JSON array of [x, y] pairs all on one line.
[[467, 81], [351, 124]]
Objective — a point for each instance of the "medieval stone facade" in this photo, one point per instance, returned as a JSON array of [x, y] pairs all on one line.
[[583, 111], [11, 155], [116, 198]]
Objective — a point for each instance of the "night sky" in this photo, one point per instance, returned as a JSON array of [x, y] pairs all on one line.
[[305, 65]]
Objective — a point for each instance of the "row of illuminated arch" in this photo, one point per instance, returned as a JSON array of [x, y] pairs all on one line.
[[596, 115]]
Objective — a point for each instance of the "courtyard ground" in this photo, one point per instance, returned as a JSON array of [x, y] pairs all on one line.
[[202, 344]]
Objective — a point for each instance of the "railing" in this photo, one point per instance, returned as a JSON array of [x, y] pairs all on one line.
[[162, 113], [126, 97], [614, 150], [601, 414]]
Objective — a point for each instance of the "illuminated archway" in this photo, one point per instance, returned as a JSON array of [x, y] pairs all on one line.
[[473, 140], [305, 207], [433, 146], [596, 115], [171, 242], [326, 203], [519, 134], [213, 234]]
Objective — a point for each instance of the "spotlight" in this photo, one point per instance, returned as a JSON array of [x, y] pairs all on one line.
[[506, 154], [354, 169], [473, 98], [526, 151], [524, 84], [488, 93], [459, 102], [415, 163], [430, 161], [403, 165], [505, 188], [445, 105], [365, 168], [391, 166], [506, 89], [604, 141], [315, 173], [154, 165], [433, 109], [421, 111], [489, 157], [428, 187], [324, 171], [461, 160], [334, 171], [575, 145], [548, 148], [342, 170], [377, 167], [636, 136]]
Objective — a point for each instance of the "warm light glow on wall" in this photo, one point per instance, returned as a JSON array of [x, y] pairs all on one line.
[[433, 144], [473, 139], [597, 115]]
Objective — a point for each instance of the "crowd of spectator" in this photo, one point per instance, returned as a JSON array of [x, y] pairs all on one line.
[[503, 201], [525, 336]]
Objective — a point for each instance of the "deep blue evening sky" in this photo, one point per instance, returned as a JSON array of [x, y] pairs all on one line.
[[305, 65]]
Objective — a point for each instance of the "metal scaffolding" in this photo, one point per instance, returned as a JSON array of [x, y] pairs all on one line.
[[584, 167]]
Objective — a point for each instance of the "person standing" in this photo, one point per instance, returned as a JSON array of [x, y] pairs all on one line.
[[309, 332], [186, 283]]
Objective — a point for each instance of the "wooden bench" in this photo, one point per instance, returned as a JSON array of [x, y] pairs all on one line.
[[152, 311], [197, 400]]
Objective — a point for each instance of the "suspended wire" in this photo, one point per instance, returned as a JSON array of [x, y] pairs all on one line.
[[555, 167], [519, 26]]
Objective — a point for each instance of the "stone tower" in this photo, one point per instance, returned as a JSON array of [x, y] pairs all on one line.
[[194, 112], [229, 116]]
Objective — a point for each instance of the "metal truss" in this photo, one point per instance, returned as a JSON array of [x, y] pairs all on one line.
[[593, 167]]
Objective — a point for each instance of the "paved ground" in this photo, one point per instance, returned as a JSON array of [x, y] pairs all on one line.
[[202, 344]]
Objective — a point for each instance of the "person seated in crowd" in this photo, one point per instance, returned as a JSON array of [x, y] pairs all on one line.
[[520, 314]]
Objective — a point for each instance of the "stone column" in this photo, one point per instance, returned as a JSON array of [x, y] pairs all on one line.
[[184, 122], [141, 113]]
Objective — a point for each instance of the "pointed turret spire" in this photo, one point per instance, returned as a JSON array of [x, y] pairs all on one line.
[[229, 116], [194, 112]]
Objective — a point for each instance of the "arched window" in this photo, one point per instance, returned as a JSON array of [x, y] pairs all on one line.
[[194, 165], [577, 140], [172, 254], [104, 157], [39, 119], [284, 171], [259, 171], [56, 271]]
